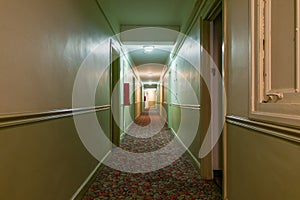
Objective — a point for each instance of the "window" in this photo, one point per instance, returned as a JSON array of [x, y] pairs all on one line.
[[275, 66]]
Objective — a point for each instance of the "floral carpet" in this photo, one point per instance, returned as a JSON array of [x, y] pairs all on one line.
[[178, 180]]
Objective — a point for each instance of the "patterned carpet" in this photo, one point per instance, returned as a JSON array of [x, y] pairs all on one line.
[[180, 180]]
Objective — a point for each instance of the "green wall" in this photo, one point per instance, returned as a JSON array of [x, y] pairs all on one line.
[[181, 83], [260, 166], [44, 44], [128, 77]]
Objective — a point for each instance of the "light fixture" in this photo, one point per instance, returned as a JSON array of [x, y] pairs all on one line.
[[148, 49], [150, 83]]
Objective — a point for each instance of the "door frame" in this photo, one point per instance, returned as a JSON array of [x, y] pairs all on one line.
[[212, 10], [216, 40], [115, 66]]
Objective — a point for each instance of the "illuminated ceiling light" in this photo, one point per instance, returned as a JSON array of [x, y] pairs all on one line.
[[150, 83], [148, 49]]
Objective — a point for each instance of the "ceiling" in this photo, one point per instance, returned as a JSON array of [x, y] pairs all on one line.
[[149, 65], [150, 73], [134, 19]]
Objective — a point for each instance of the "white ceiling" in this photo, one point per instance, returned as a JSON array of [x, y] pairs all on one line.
[[150, 73], [159, 55], [137, 16]]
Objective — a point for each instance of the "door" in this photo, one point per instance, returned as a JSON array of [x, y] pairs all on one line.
[[216, 89], [115, 96], [212, 41]]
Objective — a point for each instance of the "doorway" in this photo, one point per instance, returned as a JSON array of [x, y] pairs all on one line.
[[115, 96], [216, 94], [212, 41], [150, 98]]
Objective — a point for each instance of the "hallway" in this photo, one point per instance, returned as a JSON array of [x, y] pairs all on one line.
[[180, 180], [221, 79]]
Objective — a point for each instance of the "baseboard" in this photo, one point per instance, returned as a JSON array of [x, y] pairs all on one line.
[[122, 136], [126, 130], [129, 126], [78, 195], [187, 149], [138, 116]]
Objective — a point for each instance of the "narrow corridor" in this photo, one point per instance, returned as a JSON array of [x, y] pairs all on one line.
[[75, 74], [180, 180]]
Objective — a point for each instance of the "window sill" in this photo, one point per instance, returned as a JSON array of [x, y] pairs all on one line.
[[292, 121]]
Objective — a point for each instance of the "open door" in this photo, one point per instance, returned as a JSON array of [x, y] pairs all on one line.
[[212, 41], [115, 99], [216, 94]]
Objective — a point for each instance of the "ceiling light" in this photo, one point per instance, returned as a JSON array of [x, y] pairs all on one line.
[[148, 49], [150, 83]]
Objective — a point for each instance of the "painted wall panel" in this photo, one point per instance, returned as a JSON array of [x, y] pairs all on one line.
[[129, 110], [238, 58], [42, 52], [43, 46], [184, 88], [43, 161], [259, 166]]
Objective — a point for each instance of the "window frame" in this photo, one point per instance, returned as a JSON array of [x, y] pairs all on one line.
[[286, 111]]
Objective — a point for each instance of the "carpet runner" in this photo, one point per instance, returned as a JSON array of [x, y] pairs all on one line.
[[179, 180]]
